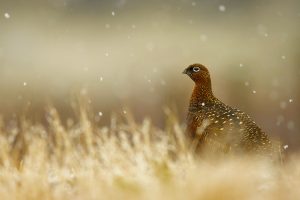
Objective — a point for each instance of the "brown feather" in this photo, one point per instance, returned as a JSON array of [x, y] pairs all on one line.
[[214, 125]]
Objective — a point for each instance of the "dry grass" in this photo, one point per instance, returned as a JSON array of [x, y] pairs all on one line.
[[127, 160]]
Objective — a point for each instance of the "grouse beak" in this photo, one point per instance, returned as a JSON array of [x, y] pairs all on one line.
[[186, 71]]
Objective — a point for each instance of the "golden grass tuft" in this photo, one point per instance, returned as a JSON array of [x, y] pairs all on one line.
[[127, 160]]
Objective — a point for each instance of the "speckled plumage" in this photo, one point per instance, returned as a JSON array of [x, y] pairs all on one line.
[[212, 123]]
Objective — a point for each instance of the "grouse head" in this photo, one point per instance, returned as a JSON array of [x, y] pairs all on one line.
[[198, 73]]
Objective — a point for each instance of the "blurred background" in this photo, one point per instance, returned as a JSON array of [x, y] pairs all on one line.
[[130, 53]]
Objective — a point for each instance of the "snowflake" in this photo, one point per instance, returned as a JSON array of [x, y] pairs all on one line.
[[203, 37], [7, 15], [222, 8]]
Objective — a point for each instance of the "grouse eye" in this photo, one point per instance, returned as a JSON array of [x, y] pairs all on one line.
[[196, 69]]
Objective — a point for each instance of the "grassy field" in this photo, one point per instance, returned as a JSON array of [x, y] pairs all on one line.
[[115, 53], [79, 159]]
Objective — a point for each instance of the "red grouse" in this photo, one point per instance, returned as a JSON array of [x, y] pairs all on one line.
[[212, 124]]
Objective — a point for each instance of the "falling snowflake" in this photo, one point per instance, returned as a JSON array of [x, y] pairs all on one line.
[[83, 91], [101, 78], [25, 83], [150, 46], [162, 82], [283, 57], [7, 15], [113, 13], [106, 54], [254, 91], [241, 65], [125, 112], [190, 21], [203, 37], [286, 146], [282, 105], [100, 114], [222, 8], [290, 100]]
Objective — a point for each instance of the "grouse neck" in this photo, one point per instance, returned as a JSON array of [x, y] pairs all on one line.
[[202, 94]]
